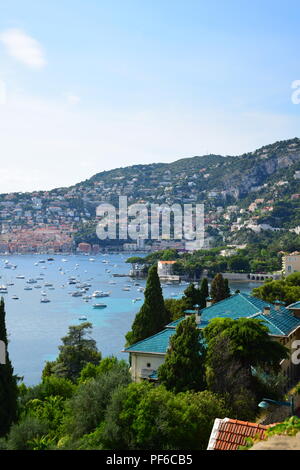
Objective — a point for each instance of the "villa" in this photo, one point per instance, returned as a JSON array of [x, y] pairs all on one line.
[[283, 324]]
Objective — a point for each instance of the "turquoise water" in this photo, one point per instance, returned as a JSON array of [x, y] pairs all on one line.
[[35, 329]]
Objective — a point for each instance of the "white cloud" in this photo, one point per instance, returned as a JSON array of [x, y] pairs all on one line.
[[23, 48], [72, 99]]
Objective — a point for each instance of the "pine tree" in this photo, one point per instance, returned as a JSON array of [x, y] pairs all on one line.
[[219, 288], [183, 368], [152, 316], [8, 383]]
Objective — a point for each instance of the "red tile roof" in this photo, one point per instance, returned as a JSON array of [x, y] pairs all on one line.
[[229, 434]]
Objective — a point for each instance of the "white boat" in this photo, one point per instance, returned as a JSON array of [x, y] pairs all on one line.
[[82, 318], [15, 297], [45, 300], [3, 290], [126, 288], [20, 276], [99, 294]]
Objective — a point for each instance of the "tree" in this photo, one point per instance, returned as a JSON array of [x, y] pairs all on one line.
[[226, 376], [235, 349], [239, 264], [191, 296], [227, 288], [8, 383], [287, 290], [204, 292], [86, 409], [75, 352], [219, 289], [175, 308], [250, 342], [183, 367], [152, 316], [143, 416]]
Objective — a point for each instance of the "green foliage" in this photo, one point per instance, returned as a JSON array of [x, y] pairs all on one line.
[[8, 383], [242, 364], [143, 416], [287, 290], [86, 409], [204, 292], [183, 368], [192, 296], [226, 376], [289, 427], [250, 342], [75, 353], [219, 289], [175, 308], [152, 316], [22, 435], [92, 371], [50, 411]]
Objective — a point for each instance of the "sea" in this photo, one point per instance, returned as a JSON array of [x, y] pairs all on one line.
[[35, 329]]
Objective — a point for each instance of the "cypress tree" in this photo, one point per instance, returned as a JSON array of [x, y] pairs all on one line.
[[8, 383], [191, 296], [183, 368], [227, 288], [219, 288], [152, 316], [204, 292]]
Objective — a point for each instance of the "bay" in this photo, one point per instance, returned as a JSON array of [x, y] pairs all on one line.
[[35, 329]]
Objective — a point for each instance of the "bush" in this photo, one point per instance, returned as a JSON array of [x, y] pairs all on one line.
[[86, 409], [21, 435]]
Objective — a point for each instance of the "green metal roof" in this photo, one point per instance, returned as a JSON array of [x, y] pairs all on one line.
[[154, 344], [294, 305], [280, 322]]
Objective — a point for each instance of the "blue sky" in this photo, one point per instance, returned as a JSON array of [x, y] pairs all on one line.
[[93, 85]]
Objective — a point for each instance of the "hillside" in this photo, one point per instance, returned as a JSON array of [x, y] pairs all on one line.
[[226, 185]]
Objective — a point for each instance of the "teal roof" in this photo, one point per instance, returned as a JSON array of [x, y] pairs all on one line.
[[280, 322], [154, 344], [294, 305]]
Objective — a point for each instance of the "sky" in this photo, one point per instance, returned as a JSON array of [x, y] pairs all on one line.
[[87, 86]]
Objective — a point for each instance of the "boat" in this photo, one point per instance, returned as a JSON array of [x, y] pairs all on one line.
[[28, 288], [20, 276], [15, 297], [31, 281], [82, 318], [98, 294], [99, 306], [126, 288], [48, 284], [45, 300], [50, 259], [3, 290], [76, 294]]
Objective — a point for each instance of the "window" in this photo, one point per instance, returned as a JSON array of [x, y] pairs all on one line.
[[148, 364]]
